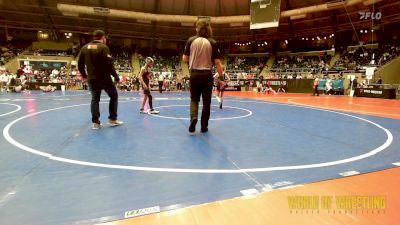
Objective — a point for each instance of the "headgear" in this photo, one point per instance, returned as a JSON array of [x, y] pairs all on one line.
[[149, 60]]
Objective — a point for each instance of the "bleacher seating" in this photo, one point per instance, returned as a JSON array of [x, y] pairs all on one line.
[[164, 60], [246, 64], [356, 59]]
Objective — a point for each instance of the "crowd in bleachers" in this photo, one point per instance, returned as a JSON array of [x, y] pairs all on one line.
[[122, 61], [11, 49], [46, 52], [164, 60], [356, 59], [316, 63], [246, 64], [8, 52], [299, 67], [388, 52], [25, 75], [167, 62]]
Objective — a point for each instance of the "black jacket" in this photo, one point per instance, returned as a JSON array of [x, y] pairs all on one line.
[[96, 56]]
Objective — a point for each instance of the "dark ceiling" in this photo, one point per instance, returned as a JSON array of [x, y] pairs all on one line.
[[44, 15]]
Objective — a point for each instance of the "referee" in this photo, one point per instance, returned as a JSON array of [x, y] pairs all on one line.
[[95, 65], [201, 52]]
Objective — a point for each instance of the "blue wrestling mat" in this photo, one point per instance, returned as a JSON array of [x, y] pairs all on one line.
[[56, 170]]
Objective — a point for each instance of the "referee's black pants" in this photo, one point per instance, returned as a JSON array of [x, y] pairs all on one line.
[[201, 83]]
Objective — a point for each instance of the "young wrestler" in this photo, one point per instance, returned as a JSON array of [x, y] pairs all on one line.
[[222, 83], [268, 87], [144, 78]]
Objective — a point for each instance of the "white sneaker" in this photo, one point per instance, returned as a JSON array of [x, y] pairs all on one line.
[[143, 111], [96, 126], [115, 122], [152, 111]]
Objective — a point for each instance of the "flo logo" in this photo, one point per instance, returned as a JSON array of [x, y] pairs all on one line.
[[370, 15]]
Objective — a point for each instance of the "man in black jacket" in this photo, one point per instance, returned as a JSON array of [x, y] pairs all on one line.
[[95, 65]]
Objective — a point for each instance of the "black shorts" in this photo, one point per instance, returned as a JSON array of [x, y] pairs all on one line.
[[146, 92]]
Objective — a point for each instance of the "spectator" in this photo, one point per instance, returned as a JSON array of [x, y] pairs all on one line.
[[316, 83], [160, 82], [328, 86]]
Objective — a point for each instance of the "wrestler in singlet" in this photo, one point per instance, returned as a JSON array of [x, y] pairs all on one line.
[[144, 78], [222, 83]]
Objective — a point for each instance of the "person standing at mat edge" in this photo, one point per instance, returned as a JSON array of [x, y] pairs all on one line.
[[144, 78], [201, 51], [315, 87], [95, 65]]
